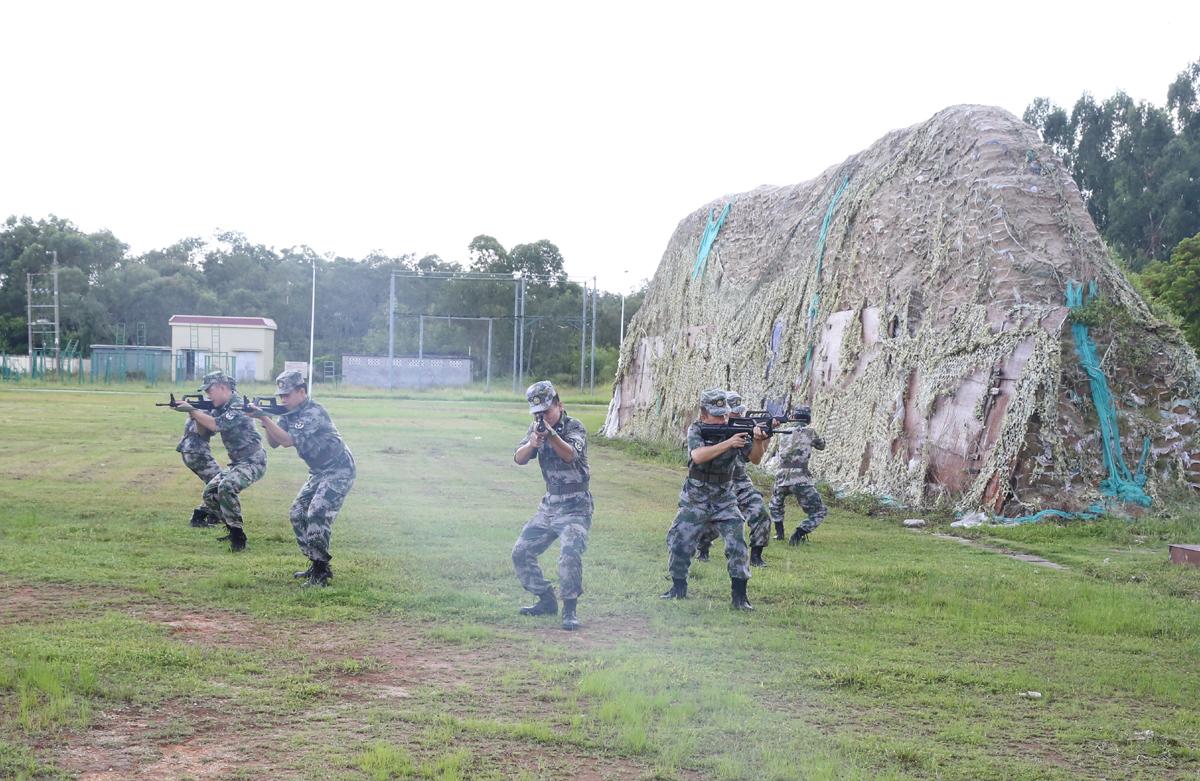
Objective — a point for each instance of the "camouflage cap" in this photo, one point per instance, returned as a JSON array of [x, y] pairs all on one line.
[[734, 400], [289, 381], [217, 378], [540, 395], [803, 413], [713, 402]]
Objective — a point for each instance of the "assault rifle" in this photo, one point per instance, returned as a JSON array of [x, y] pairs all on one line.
[[266, 404], [541, 423], [195, 399], [769, 424]]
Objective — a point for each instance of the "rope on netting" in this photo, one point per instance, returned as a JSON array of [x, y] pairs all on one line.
[[706, 240], [815, 304]]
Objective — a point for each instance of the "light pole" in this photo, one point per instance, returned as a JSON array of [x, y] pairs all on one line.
[[312, 326]]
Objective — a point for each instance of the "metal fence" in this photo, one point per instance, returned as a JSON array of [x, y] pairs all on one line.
[[406, 372]]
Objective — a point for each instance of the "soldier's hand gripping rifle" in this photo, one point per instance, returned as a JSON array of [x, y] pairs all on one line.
[[193, 400], [267, 405]]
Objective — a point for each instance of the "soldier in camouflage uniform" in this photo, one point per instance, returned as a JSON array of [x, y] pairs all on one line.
[[307, 427], [794, 479], [708, 499], [198, 457], [559, 443], [248, 460], [750, 500]]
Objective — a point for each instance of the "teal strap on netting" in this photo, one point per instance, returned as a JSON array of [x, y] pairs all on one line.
[[1121, 484], [706, 240], [1090, 514], [815, 305]]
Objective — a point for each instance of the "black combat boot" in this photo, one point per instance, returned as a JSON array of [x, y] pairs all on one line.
[[570, 620], [304, 574], [702, 551], [546, 605], [738, 587], [779, 530], [678, 589], [322, 573], [798, 537], [200, 519], [756, 559], [237, 539]]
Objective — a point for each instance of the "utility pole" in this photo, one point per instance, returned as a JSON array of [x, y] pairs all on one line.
[[391, 331], [516, 320], [312, 326], [521, 358], [593, 383], [582, 334]]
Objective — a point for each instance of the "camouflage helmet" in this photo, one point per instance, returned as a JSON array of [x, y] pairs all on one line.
[[734, 400], [803, 414], [289, 381], [217, 378], [713, 402], [540, 396]]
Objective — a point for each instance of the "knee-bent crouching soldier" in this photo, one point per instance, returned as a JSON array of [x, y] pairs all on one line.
[[559, 443], [794, 479], [307, 427], [750, 500], [708, 498], [248, 461], [197, 456]]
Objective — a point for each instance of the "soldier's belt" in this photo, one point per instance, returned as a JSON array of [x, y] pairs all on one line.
[[562, 489], [710, 477]]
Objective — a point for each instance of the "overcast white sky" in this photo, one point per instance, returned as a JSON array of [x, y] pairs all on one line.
[[411, 128]]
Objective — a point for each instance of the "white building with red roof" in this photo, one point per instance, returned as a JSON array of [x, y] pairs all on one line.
[[202, 341]]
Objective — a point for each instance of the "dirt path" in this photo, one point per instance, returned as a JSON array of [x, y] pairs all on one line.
[[369, 672]]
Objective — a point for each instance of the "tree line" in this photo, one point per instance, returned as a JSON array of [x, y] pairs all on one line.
[[1137, 165], [105, 292]]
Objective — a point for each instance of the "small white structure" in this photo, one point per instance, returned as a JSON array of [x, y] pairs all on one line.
[[198, 341]]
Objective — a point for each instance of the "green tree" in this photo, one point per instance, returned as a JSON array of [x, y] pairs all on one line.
[[1137, 165], [1176, 283]]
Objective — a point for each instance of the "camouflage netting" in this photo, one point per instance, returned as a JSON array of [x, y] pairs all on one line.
[[915, 296]]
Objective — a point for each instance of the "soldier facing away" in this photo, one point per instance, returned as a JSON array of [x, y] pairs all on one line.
[[248, 460], [559, 443], [197, 456], [307, 427], [794, 479], [750, 500], [707, 498]]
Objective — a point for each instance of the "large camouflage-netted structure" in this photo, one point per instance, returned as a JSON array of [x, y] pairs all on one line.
[[915, 296]]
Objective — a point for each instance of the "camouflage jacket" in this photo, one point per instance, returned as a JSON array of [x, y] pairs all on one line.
[[563, 478], [237, 432], [317, 439], [195, 439], [794, 453]]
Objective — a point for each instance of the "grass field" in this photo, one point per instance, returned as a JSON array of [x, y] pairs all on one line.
[[135, 647]]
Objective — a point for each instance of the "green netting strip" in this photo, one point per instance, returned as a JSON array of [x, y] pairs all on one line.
[[1121, 484], [706, 240], [815, 304]]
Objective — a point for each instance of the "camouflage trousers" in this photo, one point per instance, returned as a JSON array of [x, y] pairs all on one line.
[[221, 494], [202, 463], [704, 507], [809, 499], [754, 510], [566, 519], [316, 506]]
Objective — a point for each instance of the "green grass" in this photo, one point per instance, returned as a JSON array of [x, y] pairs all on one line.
[[874, 652]]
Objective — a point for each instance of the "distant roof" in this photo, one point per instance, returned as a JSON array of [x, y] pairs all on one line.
[[243, 322]]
